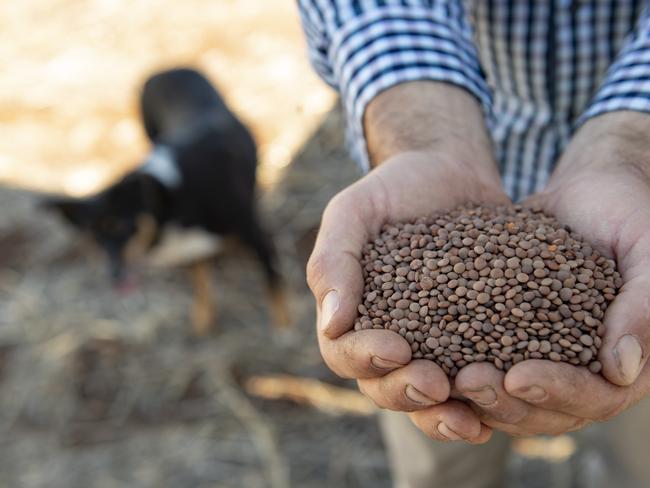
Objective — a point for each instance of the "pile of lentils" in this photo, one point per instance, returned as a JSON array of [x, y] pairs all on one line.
[[480, 283]]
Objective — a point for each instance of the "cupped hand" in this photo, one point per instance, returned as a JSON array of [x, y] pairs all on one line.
[[405, 187], [601, 189]]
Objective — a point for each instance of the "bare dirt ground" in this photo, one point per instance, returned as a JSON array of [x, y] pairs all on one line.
[[104, 390]]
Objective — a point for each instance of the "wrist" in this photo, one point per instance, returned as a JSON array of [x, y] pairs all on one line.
[[427, 117], [451, 179], [611, 142]]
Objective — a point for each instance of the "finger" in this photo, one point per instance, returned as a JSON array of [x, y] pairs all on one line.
[[418, 385], [484, 436], [566, 388], [365, 353], [335, 277], [333, 271], [482, 384], [627, 332], [538, 422], [450, 421]]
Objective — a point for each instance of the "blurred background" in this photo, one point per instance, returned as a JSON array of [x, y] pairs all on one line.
[[99, 389]]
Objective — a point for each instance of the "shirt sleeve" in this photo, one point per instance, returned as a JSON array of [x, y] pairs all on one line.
[[627, 83], [364, 47]]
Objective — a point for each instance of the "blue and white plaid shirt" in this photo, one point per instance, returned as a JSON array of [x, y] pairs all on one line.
[[538, 67]]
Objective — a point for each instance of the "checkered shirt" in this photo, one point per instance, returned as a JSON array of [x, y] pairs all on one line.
[[538, 68]]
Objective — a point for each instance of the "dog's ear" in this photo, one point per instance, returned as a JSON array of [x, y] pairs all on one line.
[[75, 211]]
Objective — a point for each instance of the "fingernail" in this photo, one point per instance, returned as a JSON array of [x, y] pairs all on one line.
[[485, 396], [531, 393], [628, 355], [447, 433], [382, 363], [329, 307], [417, 396]]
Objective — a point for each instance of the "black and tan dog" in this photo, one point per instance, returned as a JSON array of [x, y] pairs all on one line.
[[199, 179]]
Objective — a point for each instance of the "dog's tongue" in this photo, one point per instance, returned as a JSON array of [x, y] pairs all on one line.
[[127, 285]]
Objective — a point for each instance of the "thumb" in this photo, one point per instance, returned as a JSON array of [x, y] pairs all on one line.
[[627, 332], [333, 272]]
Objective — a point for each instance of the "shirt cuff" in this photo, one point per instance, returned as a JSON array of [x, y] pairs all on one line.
[[627, 83], [391, 45]]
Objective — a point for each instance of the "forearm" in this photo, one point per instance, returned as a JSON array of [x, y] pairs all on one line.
[[430, 117], [610, 142], [614, 131]]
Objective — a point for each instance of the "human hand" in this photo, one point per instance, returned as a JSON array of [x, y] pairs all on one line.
[[407, 186], [438, 162], [601, 188]]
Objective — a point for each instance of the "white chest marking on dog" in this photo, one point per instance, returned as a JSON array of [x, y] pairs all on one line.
[[162, 166]]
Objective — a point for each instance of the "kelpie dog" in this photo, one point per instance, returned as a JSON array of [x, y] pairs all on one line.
[[200, 175]]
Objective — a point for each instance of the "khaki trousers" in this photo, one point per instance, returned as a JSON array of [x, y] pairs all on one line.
[[419, 462]]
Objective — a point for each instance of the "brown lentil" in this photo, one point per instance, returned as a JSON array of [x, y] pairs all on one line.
[[497, 284]]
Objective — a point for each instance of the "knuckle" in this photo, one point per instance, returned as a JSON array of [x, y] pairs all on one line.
[[554, 429], [428, 427], [564, 378], [489, 418], [376, 402], [362, 385], [615, 408], [367, 391], [520, 433], [335, 369], [512, 415], [334, 363], [351, 349], [564, 401], [522, 429], [578, 424], [565, 425], [395, 395], [480, 441], [344, 358], [561, 387]]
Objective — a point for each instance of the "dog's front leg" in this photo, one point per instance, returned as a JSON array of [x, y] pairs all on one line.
[[204, 304]]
